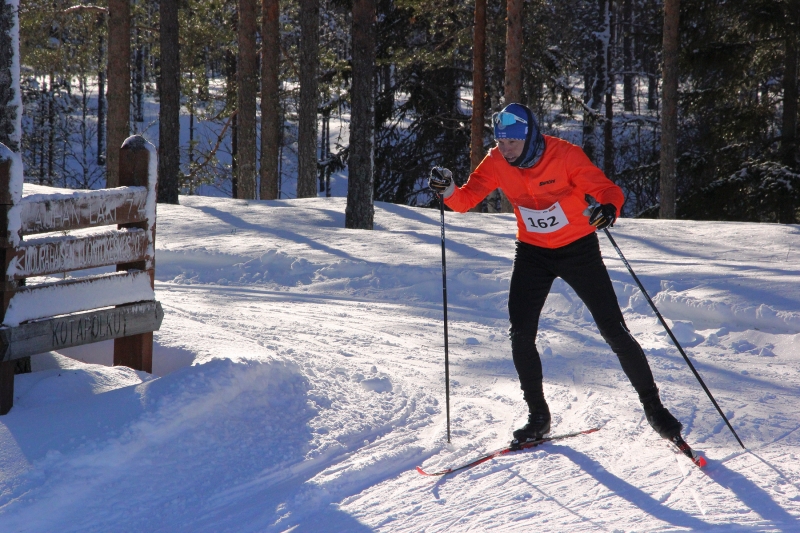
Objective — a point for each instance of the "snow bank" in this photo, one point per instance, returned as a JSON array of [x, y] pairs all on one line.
[[69, 381], [248, 415], [276, 269], [715, 314]]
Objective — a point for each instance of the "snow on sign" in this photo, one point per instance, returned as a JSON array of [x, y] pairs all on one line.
[[78, 294], [83, 209], [42, 317]]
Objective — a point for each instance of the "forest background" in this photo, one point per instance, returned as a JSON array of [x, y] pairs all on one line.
[[261, 83]]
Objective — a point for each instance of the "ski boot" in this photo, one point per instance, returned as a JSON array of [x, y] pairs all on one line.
[[661, 420], [538, 423]]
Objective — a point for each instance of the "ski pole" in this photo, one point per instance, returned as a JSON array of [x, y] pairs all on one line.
[[671, 336], [444, 302]]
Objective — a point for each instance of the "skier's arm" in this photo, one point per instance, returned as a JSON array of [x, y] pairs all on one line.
[[480, 183], [591, 180]]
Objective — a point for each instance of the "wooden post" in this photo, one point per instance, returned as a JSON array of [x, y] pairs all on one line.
[[6, 386], [8, 286], [136, 351]]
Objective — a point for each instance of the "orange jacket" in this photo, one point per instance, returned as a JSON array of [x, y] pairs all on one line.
[[548, 198]]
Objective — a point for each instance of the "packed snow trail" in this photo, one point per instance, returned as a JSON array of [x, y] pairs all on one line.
[[299, 380]]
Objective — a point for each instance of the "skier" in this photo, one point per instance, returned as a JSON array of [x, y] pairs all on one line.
[[547, 179]]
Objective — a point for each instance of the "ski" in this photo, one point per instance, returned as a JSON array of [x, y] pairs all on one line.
[[686, 450], [513, 447]]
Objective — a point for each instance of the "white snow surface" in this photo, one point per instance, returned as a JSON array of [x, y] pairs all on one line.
[[300, 379]]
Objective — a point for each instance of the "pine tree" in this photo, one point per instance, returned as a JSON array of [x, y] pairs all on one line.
[[246, 91], [360, 211], [514, 45], [669, 112], [169, 157], [119, 85], [309, 99], [478, 85], [270, 99]]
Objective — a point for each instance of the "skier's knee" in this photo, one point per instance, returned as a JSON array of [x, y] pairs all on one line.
[[516, 333], [620, 340]]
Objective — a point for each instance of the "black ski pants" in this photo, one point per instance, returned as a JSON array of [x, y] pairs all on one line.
[[581, 266]]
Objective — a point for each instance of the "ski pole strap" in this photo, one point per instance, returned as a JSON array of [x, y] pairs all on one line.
[[671, 336]]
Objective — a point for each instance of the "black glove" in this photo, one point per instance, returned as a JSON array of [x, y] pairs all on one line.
[[603, 216], [441, 180]]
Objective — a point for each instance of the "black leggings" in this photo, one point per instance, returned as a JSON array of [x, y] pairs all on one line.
[[581, 266]]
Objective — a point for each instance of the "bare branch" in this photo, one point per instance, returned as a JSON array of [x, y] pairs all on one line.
[[212, 153], [82, 7]]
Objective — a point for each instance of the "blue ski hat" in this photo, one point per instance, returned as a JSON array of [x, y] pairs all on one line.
[[516, 121]]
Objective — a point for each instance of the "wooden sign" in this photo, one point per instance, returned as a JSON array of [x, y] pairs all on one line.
[[79, 329], [84, 210], [66, 254], [129, 244]]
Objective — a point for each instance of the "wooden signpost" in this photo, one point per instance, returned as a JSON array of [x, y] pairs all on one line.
[[82, 310]]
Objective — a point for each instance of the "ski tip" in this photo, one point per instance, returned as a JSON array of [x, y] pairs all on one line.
[[421, 471], [700, 461]]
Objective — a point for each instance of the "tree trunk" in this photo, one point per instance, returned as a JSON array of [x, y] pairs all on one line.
[[192, 143], [512, 86], [325, 149], [10, 96], [669, 112], [652, 82], [608, 126], [246, 92], [119, 85], [234, 157], [360, 210], [84, 184], [789, 119], [138, 75], [230, 96], [628, 97], [169, 128], [309, 98], [514, 44], [270, 98], [597, 83], [41, 136], [51, 130], [101, 98], [478, 84]]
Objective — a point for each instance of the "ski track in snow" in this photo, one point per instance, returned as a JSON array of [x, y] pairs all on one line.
[[299, 380]]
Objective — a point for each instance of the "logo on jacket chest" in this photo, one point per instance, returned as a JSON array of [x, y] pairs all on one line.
[[548, 182]]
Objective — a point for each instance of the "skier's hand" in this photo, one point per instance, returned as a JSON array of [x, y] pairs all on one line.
[[441, 181], [603, 216]]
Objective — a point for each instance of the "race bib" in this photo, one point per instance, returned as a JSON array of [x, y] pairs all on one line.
[[545, 221]]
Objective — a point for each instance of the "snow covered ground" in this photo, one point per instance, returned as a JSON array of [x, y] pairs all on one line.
[[299, 379]]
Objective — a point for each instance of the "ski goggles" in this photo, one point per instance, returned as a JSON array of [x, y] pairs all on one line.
[[504, 119]]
